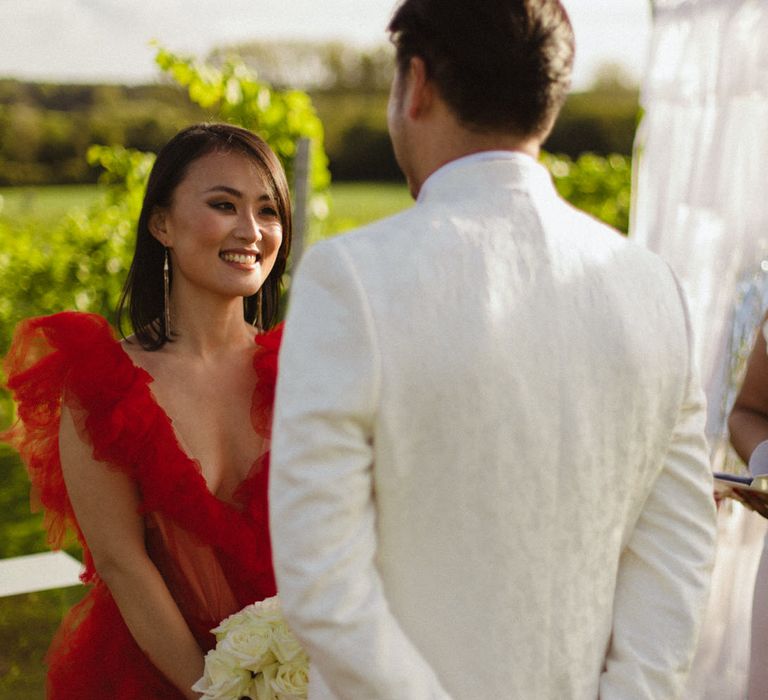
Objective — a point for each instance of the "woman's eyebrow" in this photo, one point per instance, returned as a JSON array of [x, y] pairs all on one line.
[[266, 197]]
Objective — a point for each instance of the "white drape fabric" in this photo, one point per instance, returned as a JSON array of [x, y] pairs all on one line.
[[701, 202], [701, 197]]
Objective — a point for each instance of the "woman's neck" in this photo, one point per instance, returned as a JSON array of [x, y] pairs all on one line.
[[206, 326]]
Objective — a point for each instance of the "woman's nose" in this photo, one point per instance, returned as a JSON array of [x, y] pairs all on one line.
[[249, 228]]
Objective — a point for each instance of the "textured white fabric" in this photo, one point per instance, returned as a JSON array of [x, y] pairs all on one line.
[[489, 474]]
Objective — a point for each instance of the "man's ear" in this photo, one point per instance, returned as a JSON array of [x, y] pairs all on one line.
[[420, 90], [157, 226]]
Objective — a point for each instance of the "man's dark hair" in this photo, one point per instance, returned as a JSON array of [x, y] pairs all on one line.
[[500, 65]]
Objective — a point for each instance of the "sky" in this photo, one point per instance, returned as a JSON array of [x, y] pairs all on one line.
[[108, 40]]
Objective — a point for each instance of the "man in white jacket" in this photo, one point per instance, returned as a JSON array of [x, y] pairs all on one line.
[[489, 477]]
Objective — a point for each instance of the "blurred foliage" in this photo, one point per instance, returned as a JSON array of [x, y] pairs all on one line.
[[340, 111], [22, 531], [602, 120], [81, 262], [280, 117], [45, 130], [27, 624], [598, 185], [365, 154], [318, 67]]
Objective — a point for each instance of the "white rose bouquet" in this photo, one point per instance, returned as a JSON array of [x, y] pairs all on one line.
[[256, 657]]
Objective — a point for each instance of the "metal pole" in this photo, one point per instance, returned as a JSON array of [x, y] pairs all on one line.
[[301, 194]]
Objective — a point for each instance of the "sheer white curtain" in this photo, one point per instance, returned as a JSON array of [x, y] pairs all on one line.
[[701, 195], [701, 201]]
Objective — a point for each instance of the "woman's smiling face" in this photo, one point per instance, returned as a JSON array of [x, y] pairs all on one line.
[[222, 229]]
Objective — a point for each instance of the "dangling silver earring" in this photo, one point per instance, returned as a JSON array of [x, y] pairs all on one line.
[[166, 296]]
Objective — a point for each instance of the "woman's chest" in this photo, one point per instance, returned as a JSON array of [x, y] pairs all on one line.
[[211, 418]]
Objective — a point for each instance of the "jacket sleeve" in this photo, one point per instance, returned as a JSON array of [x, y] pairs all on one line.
[[664, 575], [322, 507]]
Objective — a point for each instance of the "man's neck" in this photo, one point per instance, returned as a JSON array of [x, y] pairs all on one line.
[[483, 143], [450, 144]]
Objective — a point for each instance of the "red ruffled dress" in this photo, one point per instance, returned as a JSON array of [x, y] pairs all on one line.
[[214, 556]]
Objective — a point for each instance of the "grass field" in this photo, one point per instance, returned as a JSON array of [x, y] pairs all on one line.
[[352, 203], [44, 204], [23, 647], [357, 203]]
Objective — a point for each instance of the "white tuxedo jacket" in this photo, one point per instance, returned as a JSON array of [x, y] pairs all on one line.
[[489, 476]]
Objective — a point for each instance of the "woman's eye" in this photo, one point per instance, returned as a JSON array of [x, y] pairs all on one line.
[[269, 211], [224, 206]]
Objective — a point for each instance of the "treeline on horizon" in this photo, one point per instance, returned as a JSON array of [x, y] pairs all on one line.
[[46, 129]]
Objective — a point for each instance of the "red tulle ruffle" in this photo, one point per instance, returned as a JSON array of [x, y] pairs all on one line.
[[74, 358]]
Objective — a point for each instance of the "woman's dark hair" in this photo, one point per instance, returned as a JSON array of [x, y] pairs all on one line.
[[500, 65], [142, 293]]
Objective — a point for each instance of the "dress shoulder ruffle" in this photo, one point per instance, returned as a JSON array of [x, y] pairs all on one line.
[[72, 357]]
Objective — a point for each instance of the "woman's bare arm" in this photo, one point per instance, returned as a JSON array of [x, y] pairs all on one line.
[[748, 422], [106, 503]]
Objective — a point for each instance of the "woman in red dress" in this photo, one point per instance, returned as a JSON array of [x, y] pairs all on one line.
[[154, 448]]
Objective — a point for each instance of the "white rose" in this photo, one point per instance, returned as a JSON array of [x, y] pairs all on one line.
[[234, 688], [285, 646], [230, 623], [267, 605], [262, 683], [223, 679], [292, 680], [250, 646], [265, 611], [262, 613]]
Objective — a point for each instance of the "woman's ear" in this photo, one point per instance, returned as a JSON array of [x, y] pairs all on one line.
[[157, 226]]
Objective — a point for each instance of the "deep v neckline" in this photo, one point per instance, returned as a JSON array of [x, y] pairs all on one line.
[[195, 465]]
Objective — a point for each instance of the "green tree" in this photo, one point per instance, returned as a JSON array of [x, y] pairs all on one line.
[[280, 117]]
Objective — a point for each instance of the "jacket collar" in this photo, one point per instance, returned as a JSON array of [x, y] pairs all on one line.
[[506, 169]]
